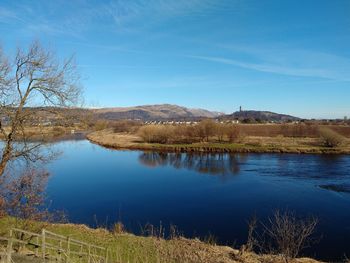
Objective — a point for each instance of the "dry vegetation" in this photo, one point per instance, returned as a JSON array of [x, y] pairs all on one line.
[[283, 234], [212, 136], [202, 132], [331, 138], [155, 248]]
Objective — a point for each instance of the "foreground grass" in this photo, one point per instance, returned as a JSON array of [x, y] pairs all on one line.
[[130, 248], [249, 144]]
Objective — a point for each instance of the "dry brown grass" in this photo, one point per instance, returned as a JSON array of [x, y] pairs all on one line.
[[259, 144], [109, 138], [291, 130], [137, 249]]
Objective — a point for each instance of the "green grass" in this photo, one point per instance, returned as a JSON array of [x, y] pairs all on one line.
[[127, 247]]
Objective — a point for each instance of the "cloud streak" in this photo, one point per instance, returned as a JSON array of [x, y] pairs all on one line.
[[127, 12], [76, 17], [323, 66]]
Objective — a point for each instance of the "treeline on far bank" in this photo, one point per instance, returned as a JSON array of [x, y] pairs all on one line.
[[209, 130]]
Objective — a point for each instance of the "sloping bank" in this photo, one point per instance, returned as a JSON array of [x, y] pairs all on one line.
[[125, 141], [137, 249]]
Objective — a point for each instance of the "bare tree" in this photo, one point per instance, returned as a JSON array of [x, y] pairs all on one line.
[[331, 138], [232, 132], [288, 234], [206, 128], [251, 239], [33, 78], [25, 200]]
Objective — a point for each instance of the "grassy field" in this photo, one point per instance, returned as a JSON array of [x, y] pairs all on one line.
[[132, 249], [256, 144]]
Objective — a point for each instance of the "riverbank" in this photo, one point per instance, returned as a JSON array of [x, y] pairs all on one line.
[[131, 248], [250, 144], [52, 133]]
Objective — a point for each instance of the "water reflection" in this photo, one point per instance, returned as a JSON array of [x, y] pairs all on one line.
[[313, 167], [217, 164], [196, 202]]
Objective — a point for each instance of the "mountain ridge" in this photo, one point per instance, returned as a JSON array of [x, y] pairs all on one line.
[[261, 115], [176, 112], [154, 112]]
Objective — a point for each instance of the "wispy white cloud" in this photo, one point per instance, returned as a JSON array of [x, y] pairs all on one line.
[[7, 16], [293, 62], [34, 18], [77, 17], [129, 12]]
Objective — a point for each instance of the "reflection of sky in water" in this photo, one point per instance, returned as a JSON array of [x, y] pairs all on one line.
[[201, 193]]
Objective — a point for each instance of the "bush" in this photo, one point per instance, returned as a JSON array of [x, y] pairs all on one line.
[[100, 125], [283, 234], [202, 131], [2, 207], [118, 228], [220, 131], [24, 198], [157, 133], [126, 126], [205, 129], [184, 134], [289, 235], [58, 130], [330, 138], [232, 132]]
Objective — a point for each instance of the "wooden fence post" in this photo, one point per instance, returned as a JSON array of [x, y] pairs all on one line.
[[60, 251], [106, 255], [81, 253], [36, 250], [9, 248], [89, 253], [43, 245], [68, 249]]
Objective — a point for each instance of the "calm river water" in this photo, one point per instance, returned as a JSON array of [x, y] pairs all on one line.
[[202, 194]]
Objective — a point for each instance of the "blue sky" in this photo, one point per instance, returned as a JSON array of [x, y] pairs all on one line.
[[284, 56]]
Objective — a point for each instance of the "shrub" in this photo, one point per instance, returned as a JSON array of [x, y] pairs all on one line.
[[126, 126], [25, 199], [156, 133], [220, 131], [58, 130], [205, 129], [232, 132], [330, 138], [283, 234], [118, 228], [100, 125], [2, 207], [289, 235]]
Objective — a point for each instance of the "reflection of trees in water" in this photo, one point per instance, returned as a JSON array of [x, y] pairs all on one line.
[[210, 163], [153, 159]]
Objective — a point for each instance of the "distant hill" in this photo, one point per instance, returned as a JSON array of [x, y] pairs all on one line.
[[260, 115], [154, 112]]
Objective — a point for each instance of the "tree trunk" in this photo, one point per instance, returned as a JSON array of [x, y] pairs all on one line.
[[6, 156]]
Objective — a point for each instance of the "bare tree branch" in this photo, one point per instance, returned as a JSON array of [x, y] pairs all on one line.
[[35, 78]]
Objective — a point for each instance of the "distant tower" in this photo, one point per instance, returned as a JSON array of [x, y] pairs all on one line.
[[240, 108]]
